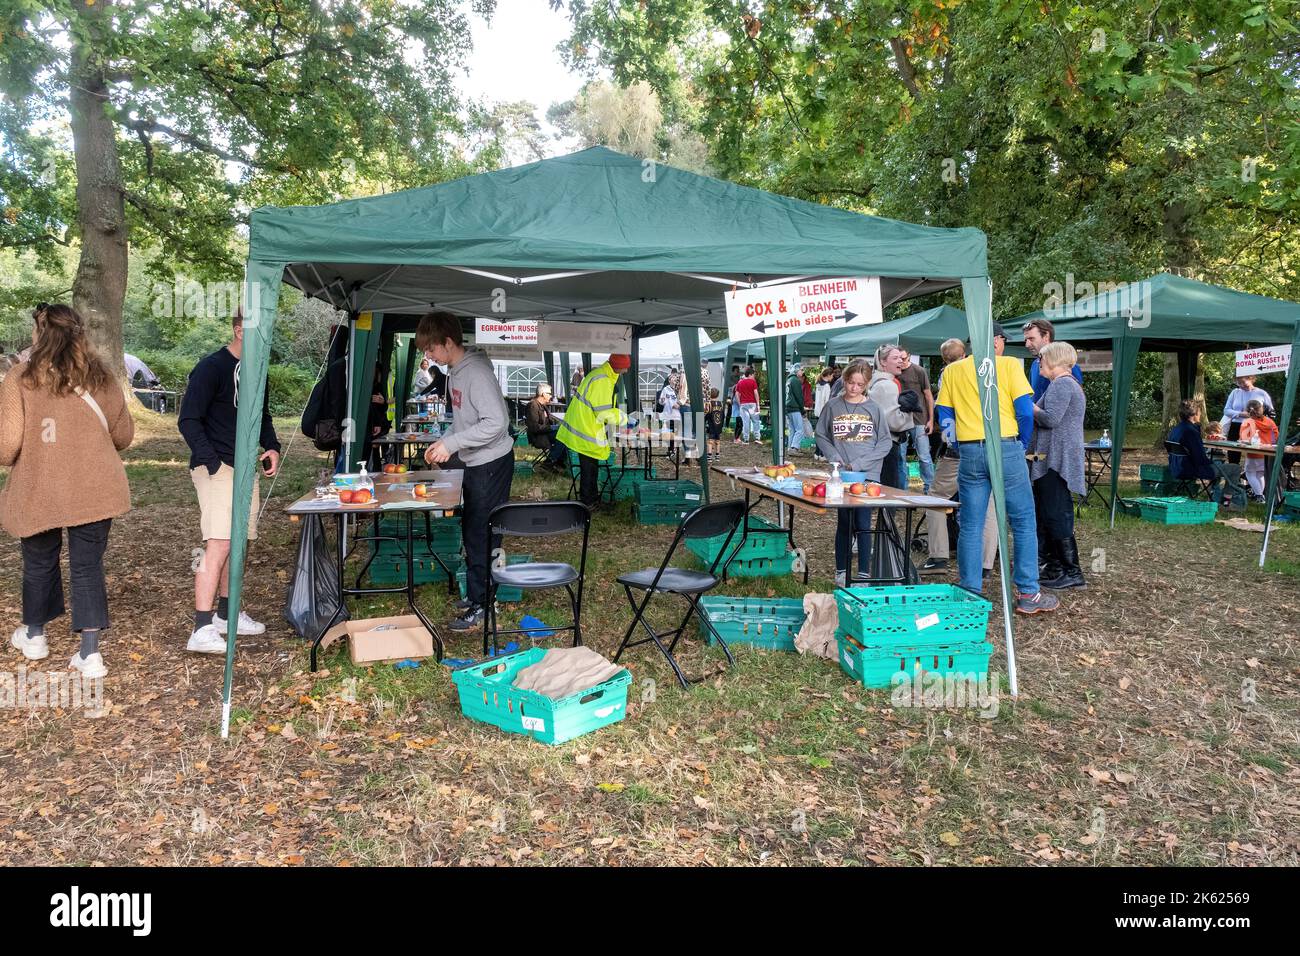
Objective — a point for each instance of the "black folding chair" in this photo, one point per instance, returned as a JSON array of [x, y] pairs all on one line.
[[703, 522], [536, 519], [1191, 487]]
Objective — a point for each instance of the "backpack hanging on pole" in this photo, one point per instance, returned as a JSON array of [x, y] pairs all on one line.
[[322, 419]]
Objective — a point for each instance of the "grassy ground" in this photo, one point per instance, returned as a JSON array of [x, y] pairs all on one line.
[[1136, 739]]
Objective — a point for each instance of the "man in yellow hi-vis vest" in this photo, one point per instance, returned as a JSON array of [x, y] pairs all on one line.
[[590, 410]]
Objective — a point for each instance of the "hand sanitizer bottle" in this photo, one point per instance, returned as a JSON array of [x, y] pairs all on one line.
[[835, 484], [364, 480]]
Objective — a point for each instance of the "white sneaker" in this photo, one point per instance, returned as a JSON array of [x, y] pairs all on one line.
[[247, 626], [92, 666], [33, 648], [207, 640], [841, 579]]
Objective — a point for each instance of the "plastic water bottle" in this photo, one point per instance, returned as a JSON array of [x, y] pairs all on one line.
[[1104, 440], [835, 484]]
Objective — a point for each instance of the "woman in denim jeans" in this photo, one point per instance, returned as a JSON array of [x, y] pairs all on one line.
[[63, 421], [747, 393]]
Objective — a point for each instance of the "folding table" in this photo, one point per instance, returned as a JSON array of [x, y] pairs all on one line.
[[758, 486], [392, 496]]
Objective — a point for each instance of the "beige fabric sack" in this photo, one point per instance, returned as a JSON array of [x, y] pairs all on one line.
[[817, 636], [565, 671]]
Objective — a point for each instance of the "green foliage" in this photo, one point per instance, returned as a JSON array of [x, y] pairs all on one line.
[[1111, 139], [289, 388], [221, 108]]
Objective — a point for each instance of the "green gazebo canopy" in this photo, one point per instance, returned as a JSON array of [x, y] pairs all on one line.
[[920, 333], [1170, 313], [595, 236]]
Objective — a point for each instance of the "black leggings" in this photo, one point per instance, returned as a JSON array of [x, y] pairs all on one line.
[[853, 521], [1055, 506]]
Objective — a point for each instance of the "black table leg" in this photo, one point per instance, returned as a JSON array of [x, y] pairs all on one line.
[[438, 649]]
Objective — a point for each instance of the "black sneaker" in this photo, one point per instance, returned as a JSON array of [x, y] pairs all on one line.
[[934, 565], [470, 620]]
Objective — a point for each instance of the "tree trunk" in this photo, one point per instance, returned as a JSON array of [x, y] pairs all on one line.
[[1172, 396], [99, 289]]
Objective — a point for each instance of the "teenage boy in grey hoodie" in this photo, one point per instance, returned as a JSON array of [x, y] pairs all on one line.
[[480, 438], [884, 391]]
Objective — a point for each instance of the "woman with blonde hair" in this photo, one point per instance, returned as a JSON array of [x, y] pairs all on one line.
[[63, 419], [1058, 472]]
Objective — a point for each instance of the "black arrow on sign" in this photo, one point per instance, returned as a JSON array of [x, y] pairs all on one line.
[[847, 316], [763, 327]]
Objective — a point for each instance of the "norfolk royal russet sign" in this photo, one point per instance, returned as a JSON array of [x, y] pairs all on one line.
[[797, 307]]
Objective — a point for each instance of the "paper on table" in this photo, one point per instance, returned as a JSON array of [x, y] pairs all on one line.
[[926, 501], [318, 504], [408, 503]]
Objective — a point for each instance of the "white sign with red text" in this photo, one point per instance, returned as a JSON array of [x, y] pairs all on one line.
[[496, 332], [798, 307], [1275, 358]]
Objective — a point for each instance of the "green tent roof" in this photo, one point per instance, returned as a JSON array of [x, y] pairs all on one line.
[[1183, 315], [921, 333], [599, 235]]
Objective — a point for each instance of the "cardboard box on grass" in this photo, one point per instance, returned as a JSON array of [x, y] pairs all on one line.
[[408, 639]]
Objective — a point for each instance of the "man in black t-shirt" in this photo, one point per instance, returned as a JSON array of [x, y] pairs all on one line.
[[209, 412]]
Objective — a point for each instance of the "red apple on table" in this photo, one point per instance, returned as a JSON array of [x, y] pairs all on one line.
[[874, 490], [361, 496], [345, 496], [820, 490], [857, 488]]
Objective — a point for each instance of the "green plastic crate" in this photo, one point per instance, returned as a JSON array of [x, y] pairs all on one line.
[[764, 544], [1155, 473], [523, 469], [1177, 510], [506, 595], [759, 622], [487, 694], [761, 567], [914, 470], [912, 613], [446, 532], [1291, 502], [875, 667], [683, 491], [660, 514], [390, 571], [1161, 487]]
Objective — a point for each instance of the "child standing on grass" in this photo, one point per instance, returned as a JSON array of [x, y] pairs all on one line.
[[1257, 426], [713, 424]]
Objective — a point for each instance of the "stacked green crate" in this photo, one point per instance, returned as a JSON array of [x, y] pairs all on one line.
[[503, 593], [1157, 479], [911, 629], [442, 537], [1177, 510], [667, 502], [765, 540]]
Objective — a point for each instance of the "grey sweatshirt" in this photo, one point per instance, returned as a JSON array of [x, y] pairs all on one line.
[[851, 434], [883, 390], [479, 420], [1058, 433]]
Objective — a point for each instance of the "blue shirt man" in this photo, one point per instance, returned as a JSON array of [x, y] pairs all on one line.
[[1038, 333]]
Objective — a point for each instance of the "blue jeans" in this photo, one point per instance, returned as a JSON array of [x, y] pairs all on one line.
[[749, 415], [974, 491], [794, 429], [921, 440]]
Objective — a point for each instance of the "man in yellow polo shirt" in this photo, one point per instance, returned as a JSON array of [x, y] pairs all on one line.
[[962, 420]]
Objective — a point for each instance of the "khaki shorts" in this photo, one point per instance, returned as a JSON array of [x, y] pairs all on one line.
[[215, 494]]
